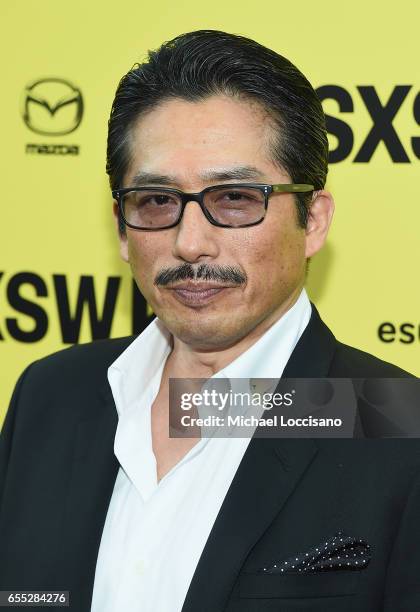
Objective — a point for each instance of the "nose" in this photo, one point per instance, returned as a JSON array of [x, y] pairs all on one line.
[[196, 239]]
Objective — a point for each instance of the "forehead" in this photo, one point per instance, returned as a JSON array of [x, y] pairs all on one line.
[[190, 138]]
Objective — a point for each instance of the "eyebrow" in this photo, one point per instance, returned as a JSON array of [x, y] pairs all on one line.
[[239, 173]]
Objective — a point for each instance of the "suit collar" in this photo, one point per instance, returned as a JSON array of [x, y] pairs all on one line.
[[314, 351]]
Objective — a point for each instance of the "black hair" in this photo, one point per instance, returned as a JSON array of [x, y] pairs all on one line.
[[196, 65]]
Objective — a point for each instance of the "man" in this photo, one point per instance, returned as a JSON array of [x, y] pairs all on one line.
[[217, 157]]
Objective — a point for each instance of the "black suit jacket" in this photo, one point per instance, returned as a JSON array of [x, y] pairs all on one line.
[[57, 472]]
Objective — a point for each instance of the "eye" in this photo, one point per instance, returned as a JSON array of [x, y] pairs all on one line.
[[237, 195], [159, 199], [155, 200]]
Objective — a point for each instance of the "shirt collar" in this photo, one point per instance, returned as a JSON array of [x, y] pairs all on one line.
[[132, 372], [268, 356]]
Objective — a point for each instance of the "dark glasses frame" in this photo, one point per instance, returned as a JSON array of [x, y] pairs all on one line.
[[266, 190]]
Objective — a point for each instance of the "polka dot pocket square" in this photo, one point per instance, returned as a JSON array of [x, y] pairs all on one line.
[[340, 552]]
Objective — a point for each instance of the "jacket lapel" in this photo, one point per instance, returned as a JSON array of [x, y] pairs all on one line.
[[269, 472], [265, 478], [314, 351], [95, 469]]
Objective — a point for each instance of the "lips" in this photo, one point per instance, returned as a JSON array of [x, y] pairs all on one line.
[[197, 286], [197, 294]]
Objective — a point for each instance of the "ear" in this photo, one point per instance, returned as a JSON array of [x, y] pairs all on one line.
[[319, 219], [122, 235]]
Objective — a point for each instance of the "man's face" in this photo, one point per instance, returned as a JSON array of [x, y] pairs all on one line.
[[195, 145]]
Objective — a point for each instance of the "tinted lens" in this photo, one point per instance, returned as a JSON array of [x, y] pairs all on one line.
[[151, 209], [235, 206]]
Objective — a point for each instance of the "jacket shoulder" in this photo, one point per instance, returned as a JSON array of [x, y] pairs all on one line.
[[63, 385], [92, 358], [354, 363]]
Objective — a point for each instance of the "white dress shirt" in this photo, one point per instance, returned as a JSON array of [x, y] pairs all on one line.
[[155, 532]]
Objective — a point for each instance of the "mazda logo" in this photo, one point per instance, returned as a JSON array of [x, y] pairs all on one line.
[[52, 107]]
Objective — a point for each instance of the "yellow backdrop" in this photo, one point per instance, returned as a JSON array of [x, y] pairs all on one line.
[[58, 244]]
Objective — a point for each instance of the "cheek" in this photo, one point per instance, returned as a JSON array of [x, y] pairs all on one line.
[[142, 253], [275, 259]]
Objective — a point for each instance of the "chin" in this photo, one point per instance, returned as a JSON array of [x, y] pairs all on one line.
[[209, 334], [193, 332]]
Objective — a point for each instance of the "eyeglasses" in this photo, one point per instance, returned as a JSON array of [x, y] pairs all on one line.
[[233, 205]]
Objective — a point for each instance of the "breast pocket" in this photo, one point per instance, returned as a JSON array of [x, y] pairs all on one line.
[[295, 585]]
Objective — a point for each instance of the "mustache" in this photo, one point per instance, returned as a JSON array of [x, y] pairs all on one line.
[[224, 274]]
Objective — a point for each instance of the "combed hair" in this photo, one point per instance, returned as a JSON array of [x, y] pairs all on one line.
[[203, 63]]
